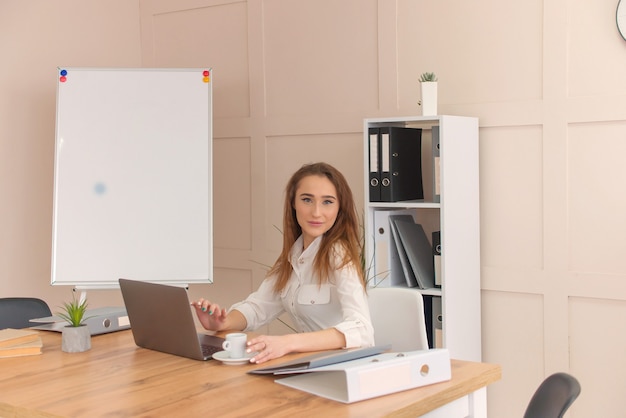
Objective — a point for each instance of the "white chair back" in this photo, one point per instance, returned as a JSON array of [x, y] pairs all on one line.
[[398, 318]]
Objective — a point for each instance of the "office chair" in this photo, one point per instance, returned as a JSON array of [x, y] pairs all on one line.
[[16, 312], [398, 318], [553, 396]]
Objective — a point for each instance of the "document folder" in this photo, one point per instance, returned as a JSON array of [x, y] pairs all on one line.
[[411, 281], [418, 251], [386, 262], [318, 360], [98, 320], [374, 164], [436, 164], [399, 162], [437, 319], [437, 257], [374, 376]]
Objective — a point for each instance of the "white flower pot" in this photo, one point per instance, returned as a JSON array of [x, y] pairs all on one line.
[[75, 339], [429, 98]]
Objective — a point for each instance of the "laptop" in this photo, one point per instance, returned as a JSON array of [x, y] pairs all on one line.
[[161, 319]]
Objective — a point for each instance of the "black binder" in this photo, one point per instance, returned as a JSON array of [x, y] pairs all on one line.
[[437, 319], [428, 318], [437, 257], [433, 316], [399, 163]]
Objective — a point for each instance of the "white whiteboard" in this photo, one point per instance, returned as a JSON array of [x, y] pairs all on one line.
[[133, 179]]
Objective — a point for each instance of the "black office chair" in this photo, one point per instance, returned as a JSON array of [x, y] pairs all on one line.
[[16, 312], [553, 396]]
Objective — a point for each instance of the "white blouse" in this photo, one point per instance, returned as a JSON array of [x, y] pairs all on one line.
[[340, 303]]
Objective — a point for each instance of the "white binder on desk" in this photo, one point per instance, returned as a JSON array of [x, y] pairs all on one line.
[[374, 376]]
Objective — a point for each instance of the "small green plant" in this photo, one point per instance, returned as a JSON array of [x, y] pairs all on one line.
[[428, 77], [74, 312]]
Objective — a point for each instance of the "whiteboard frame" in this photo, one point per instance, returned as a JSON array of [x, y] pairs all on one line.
[[133, 176]]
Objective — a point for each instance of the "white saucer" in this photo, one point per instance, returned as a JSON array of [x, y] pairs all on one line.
[[225, 358]]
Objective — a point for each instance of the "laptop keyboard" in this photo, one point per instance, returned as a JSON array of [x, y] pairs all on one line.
[[209, 350]]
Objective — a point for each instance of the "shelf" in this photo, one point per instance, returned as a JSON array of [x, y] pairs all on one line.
[[409, 204], [433, 291], [456, 218]]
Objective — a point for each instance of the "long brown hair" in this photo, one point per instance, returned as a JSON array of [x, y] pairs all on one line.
[[344, 232]]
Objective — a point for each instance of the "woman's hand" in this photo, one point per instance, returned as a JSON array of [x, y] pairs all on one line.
[[210, 315], [268, 347]]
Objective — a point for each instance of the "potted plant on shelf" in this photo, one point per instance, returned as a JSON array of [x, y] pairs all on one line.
[[76, 336], [428, 83]]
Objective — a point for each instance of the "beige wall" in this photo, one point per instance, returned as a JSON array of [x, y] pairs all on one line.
[[293, 81], [35, 38]]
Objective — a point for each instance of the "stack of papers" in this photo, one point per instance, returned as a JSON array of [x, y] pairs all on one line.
[[19, 342]]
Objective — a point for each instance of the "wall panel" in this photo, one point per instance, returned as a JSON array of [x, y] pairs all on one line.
[[453, 39], [511, 197], [320, 57], [598, 355], [596, 53], [513, 336], [215, 35], [232, 193], [596, 204]]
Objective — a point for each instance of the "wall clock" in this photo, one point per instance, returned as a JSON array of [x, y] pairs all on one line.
[[620, 16]]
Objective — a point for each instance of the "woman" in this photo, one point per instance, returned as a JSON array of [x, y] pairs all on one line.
[[317, 278]]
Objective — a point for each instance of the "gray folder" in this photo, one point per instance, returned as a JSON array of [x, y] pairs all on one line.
[[418, 251], [325, 358], [411, 281]]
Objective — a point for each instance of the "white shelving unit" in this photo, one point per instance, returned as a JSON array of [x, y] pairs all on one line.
[[456, 215]]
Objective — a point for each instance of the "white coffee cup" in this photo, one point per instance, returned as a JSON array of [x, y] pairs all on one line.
[[235, 344]]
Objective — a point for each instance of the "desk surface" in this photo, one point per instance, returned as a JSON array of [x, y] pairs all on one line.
[[117, 378]]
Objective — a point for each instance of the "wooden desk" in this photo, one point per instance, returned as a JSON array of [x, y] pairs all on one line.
[[116, 378]]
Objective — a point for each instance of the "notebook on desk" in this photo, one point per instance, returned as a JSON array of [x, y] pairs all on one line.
[[161, 319]]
